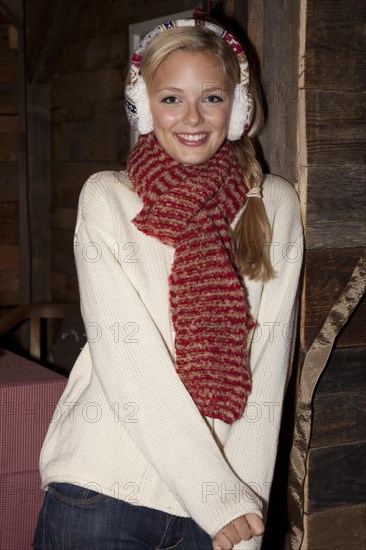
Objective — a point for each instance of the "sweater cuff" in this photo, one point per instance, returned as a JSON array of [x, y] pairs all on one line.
[[227, 503]]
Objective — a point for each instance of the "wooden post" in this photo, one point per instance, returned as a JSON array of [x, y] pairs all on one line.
[[39, 188]]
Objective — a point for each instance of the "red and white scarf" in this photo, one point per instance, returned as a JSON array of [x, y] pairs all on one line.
[[191, 208]]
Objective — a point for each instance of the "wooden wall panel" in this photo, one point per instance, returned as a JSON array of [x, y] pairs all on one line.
[[69, 145], [65, 288], [340, 528], [9, 274], [333, 131], [94, 53], [336, 207], [339, 406], [9, 98], [69, 177], [38, 189], [62, 251], [9, 181], [90, 132], [87, 87], [9, 227], [326, 274], [335, 127], [336, 476], [9, 167], [280, 71], [335, 44]]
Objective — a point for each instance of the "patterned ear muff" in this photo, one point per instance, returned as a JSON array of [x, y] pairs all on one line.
[[136, 96]]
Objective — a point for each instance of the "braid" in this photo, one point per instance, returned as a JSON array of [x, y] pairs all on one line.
[[252, 234]]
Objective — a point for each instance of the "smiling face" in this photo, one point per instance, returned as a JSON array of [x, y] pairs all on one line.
[[190, 100]]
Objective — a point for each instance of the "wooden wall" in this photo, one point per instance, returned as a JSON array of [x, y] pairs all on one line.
[[313, 66], [72, 124], [335, 196], [88, 124], [9, 166]]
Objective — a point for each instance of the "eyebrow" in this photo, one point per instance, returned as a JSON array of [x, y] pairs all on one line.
[[170, 89], [213, 89], [173, 89]]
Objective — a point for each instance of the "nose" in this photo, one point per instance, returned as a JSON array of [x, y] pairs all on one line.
[[193, 115]]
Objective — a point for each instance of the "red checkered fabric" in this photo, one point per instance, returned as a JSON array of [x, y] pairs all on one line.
[[28, 397]]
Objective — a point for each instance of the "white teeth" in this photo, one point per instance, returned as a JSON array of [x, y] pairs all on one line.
[[195, 137]]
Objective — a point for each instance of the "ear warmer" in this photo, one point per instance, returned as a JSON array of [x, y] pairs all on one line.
[[136, 97]]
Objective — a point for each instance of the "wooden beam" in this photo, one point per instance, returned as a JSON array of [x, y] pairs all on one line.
[[24, 233], [34, 186], [281, 22], [44, 48], [14, 11], [255, 27], [39, 188]]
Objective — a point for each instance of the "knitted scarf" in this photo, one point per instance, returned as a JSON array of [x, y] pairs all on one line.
[[190, 208]]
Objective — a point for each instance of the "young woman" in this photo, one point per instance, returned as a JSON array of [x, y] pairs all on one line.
[[188, 266]]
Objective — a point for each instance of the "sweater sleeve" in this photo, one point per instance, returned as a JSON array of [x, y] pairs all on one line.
[[251, 445], [170, 431]]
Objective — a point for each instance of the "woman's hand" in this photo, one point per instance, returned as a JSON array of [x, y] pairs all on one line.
[[242, 528]]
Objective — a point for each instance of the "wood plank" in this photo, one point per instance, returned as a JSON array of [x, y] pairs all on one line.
[[9, 227], [68, 179], [9, 210], [24, 240], [9, 123], [84, 112], [73, 142], [339, 405], [339, 418], [335, 127], [65, 288], [9, 181], [280, 84], [14, 11], [9, 98], [9, 280], [335, 49], [39, 190], [336, 476], [63, 260], [9, 147], [44, 49], [9, 257], [345, 372], [63, 218], [8, 44], [326, 274], [333, 193], [255, 27], [9, 297], [103, 19], [94, 53], [104, 84], [8, 73], [340, 528]]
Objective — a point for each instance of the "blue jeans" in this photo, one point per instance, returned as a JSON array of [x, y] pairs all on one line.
[[76, 518]]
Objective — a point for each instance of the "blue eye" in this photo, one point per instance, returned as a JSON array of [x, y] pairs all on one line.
[[214, 99], [169, 99]]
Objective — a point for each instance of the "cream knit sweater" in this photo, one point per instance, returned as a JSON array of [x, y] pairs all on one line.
[[125, 424]]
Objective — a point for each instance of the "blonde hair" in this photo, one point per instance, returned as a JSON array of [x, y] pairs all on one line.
[[252, 235]]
